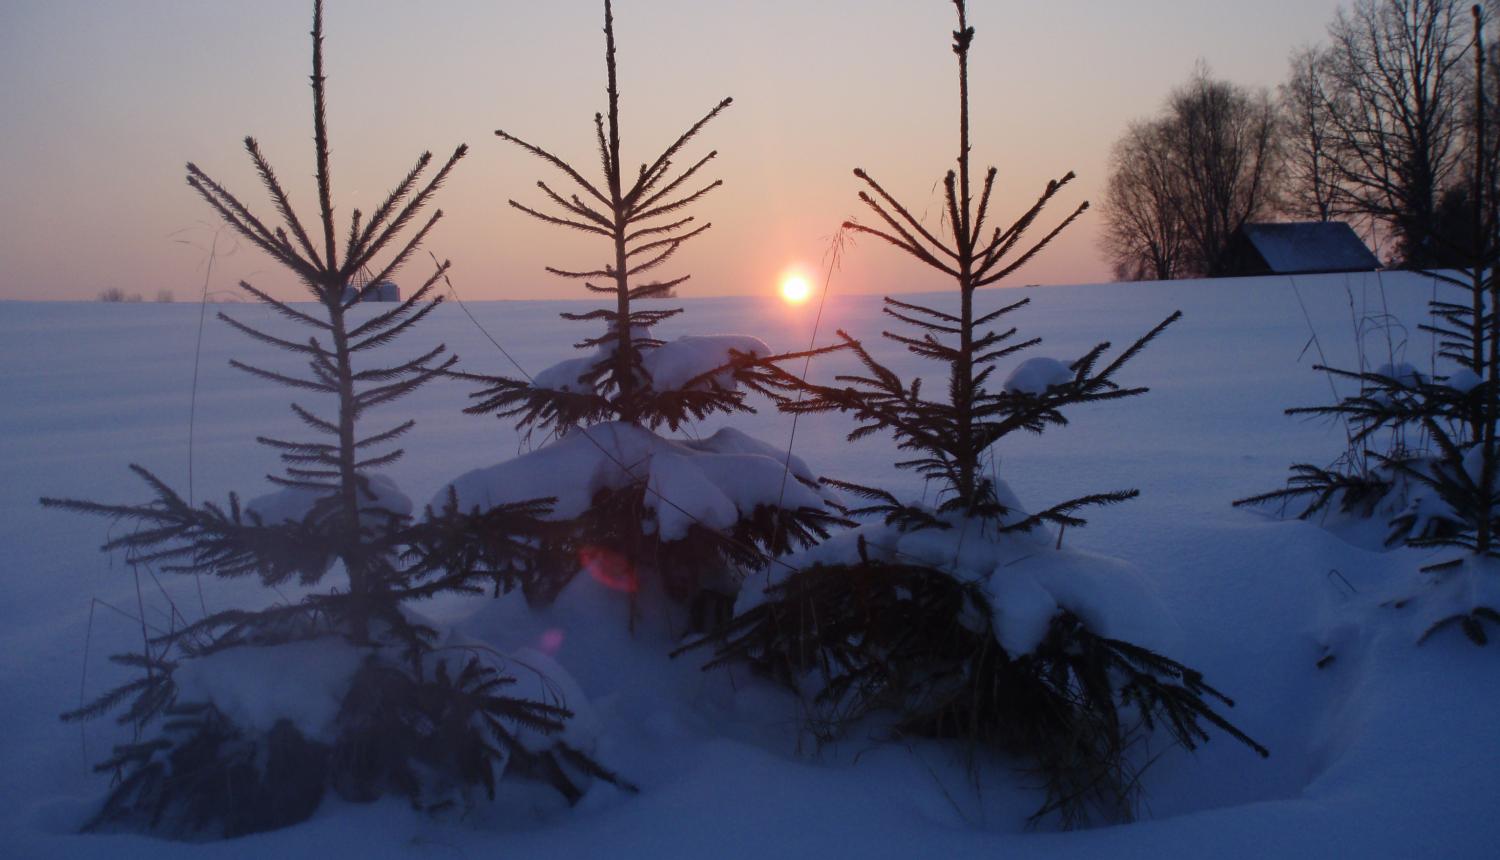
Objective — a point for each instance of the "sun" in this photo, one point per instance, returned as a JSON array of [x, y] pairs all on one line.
[[795, 289]]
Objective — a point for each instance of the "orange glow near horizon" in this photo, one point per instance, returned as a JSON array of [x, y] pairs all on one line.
[[795, 289], [785, 147]]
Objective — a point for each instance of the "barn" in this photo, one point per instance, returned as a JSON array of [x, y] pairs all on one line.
[[1304, 248]]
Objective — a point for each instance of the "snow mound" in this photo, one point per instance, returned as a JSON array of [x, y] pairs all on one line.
[[1405, 374], [713, 481], [1401, 372], [257, 686], [1023, 610], [1036, 375], [1473, 585], [306, 683], [1473, 464], [1463, 380], [673, 365], [568, 375]]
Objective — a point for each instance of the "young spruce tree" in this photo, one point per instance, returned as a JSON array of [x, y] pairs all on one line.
[[680, 515], [934, 615], [408, 723]]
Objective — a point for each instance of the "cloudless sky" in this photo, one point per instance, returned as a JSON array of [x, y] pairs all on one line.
[[102, 103]]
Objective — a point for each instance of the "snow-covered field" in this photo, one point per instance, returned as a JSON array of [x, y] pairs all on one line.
[[1389, 751]]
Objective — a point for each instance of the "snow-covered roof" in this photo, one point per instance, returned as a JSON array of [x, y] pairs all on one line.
[[1313, 246]]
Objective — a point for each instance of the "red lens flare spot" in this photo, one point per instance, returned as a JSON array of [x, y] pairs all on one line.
[[609, 568]]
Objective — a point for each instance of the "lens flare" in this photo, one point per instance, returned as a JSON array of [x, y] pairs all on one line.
[[608, 568]]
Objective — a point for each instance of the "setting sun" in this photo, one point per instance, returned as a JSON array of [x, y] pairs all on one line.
[[795, 289]]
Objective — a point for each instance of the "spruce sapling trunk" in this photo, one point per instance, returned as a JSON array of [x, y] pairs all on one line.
[[624, 369], [630, 215]]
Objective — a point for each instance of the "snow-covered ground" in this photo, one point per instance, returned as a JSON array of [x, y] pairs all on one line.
[[1389, 751]]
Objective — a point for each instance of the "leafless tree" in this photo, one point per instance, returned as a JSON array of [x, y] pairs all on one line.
[[1225, 138], [1182, 184], [1143, 230], [1395, 87], [1310, 187]]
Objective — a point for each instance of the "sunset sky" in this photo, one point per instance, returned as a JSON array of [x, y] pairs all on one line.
[[103, 102]]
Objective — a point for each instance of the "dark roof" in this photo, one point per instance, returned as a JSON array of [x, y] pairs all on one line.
[[1313, 246]]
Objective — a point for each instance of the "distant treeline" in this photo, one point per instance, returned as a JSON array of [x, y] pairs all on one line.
[[115, 294]]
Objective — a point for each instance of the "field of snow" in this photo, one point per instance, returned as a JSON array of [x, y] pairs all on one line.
[[1389, 751]]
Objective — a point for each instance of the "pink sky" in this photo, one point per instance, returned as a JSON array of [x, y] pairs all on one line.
[[105, 101]]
